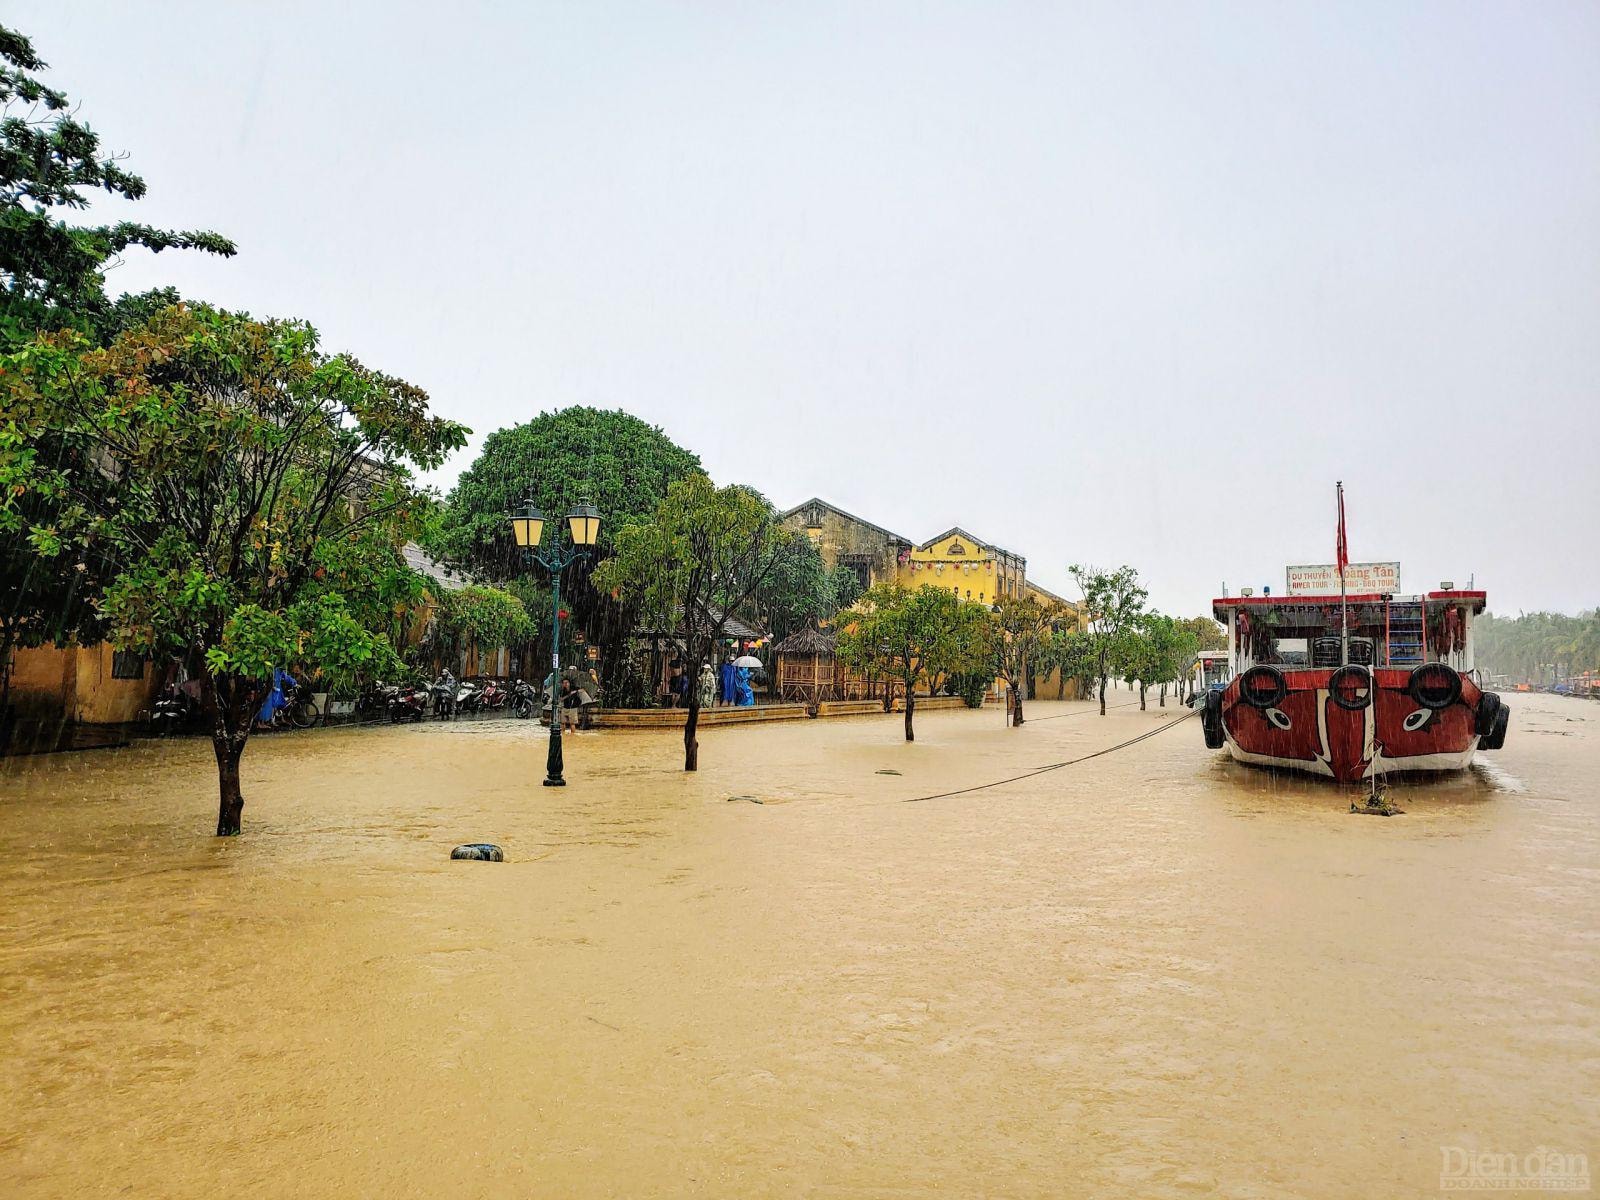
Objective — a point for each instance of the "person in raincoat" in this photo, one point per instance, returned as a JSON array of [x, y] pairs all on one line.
[[708, 686], [743, 695], [728, 681], [276, 699]]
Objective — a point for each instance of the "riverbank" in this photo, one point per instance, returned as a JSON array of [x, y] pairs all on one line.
[[1152, 974]]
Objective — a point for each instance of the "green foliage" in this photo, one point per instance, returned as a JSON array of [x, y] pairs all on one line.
[[847, 587], [1208, 635], [799, 589], [1023, 628], [1157, 649], [1073, 653], [915, 634], [971, 686], [1113, 602], [1538, 647], [615, 461], [247, 496], [702, 554], [367, 570], [485, 617], [52, 273]]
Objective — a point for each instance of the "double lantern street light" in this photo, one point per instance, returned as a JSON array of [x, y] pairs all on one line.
[[528, 525]]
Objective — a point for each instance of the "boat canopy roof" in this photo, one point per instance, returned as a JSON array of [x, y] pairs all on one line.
[[1456, 598]]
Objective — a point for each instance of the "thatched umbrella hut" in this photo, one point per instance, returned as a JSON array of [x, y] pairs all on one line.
[[808, 671]]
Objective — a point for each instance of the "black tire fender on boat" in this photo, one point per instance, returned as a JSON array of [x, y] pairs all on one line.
[[1336, 687], [1488, 710], [1211, 720], [1497, 735], [1251, 687], [1434, 685]]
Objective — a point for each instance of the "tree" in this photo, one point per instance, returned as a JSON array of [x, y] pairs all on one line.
[[799, 590], [484, 617], [1539, 647], [1021, 636], [1112, 603], [847, 586], [1156, 651], [914, 634], [620, 464], [52, 274], [1071, 652], [700, 556], [1207, 633], [241, 462]]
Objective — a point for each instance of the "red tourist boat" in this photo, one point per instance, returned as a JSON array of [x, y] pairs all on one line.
[[1352, 686]]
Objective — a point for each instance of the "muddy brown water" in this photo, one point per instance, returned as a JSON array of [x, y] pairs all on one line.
[[1152, 974]]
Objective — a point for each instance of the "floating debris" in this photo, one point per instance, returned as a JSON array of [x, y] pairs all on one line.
[[478, 852], [752, 799], [886, 771]]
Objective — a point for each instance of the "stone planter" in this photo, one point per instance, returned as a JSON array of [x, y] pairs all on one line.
[[341, 708]]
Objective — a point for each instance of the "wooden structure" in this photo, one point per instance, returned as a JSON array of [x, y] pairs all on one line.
[[807, 671]]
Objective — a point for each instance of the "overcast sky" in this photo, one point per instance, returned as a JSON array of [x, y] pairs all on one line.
[[1101, 283]]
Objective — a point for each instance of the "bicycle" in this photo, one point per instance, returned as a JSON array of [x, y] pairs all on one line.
[[301, 712]]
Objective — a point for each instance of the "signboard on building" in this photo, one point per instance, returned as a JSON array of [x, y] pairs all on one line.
[[1360, 579]]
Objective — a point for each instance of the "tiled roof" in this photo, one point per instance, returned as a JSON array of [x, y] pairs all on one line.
[[834, 508], [418, 560]]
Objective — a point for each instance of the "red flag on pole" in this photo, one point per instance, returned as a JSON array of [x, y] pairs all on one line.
[[1341, 548]]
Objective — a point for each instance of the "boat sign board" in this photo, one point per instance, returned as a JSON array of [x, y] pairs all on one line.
[[1360, 579]]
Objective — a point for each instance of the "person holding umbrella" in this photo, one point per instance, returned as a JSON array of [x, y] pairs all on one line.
[[742, 667]]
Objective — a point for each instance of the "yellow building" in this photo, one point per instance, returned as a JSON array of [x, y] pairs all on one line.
[[972, 569]]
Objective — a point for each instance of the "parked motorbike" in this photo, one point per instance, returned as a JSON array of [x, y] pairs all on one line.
[[172, 712], [494, 697], [407, 702], [469, 697], [525, 698], [374, 699], [443, 694]]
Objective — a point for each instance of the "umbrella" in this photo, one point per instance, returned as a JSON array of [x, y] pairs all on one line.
[[747, 660]]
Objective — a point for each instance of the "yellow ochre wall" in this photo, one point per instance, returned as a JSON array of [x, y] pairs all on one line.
[[965, 566], [75, 684]]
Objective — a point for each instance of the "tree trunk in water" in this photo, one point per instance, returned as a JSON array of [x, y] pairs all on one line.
[[911, 704], [691, 745], [1141, 696], [1016, 708], [1102, 695], [231, 703], [1163, 695], [6, 641], [230, 810], [1061, 686]]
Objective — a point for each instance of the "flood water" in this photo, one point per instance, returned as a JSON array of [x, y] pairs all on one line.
[[1151, 974]]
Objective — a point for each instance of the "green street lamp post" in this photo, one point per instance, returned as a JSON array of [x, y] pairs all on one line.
[[527, 524]]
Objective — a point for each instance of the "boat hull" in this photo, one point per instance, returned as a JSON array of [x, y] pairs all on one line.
[[1308, 730]]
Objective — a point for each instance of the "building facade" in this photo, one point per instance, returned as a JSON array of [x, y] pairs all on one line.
[[971, 568], [874, 553]]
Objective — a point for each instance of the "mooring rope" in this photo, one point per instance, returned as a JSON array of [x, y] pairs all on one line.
[[978, 787], [1091, 712]]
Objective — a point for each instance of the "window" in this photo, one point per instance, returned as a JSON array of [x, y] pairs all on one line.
[[126, 664]]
